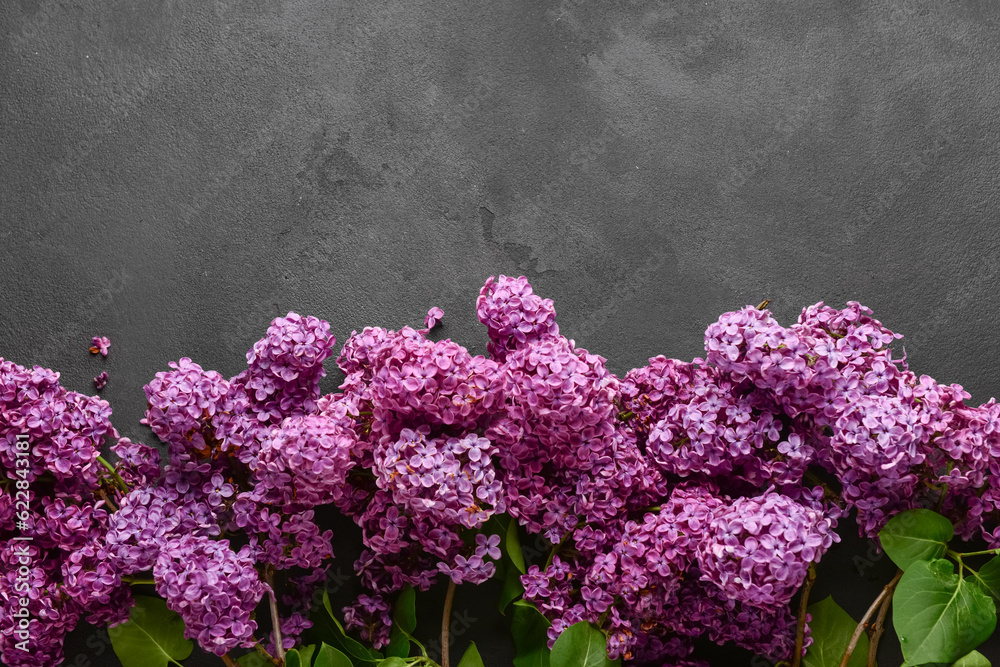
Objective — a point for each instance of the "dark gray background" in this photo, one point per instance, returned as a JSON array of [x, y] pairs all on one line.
[[178, 172]]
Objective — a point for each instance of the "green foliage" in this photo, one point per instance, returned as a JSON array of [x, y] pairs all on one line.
[[471, 657], [153, 636], [988, 579], [916, 535], [529, 630], [831, 629], [253, 660], [392, 662], [404, 621], [294, 659], [582, 645], [938, 616], [512, 588], [327, 656], [306, 653], [513, 543], [974, 659], [358, 653]]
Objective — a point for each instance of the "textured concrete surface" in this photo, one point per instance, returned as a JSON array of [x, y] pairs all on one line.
[[177, 172]]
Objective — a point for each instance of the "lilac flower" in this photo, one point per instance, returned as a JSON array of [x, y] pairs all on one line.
[[101, 381], [757, 550], [434, 316], [100, 344], [513, 315], [214, 589]]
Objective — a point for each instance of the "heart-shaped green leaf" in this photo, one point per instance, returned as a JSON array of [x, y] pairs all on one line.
[[513, 543], [404, 611], [399, 644], [529, 630], [988, 579], [353, 648], [938, 616], [253, 660], [306, 653], [471, 658], [974, 659], [582, 645], [327, 656], [831, 629], [916, 535], [512, 588], [293, 659], [153, 636]]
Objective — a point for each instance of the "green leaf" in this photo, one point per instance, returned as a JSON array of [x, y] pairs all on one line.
[[399, 644], [353, 648], [293, 659], [974, 659], [916, 535], [988, 579], [404, 611], [831, 629], [153, 636], [327, 656], [306, 653], [513, 543], [512, 588], [529, 630], [471, 657], [404, 617], [253, 660], [582, 645], [392, 662], [938, 616]]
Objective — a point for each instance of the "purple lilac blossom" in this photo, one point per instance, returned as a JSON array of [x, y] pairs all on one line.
[[100, 344], [214, 589], [513, 315]]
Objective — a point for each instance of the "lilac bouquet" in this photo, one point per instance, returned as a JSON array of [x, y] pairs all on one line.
[[685, 500]]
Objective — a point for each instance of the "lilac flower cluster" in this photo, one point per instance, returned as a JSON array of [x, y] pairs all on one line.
[[892, 439], [513, 315], [681, 501], [684, 572], [54, 492], [96, 526], [214, 589], [419, 409], [758, 550]]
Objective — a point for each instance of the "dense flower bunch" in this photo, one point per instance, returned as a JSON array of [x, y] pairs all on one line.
[[214, 589], [881, 429], [421, 408], [53, 511], [685, 500], [513, 315]]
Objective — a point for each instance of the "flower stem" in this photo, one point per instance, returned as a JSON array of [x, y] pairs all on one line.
[[877, 630], [114, 474], [886, 594], [228, 661], [260, 649], [275, 620], [800, 628], [134, 581], [445, 622], [988, 552]]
